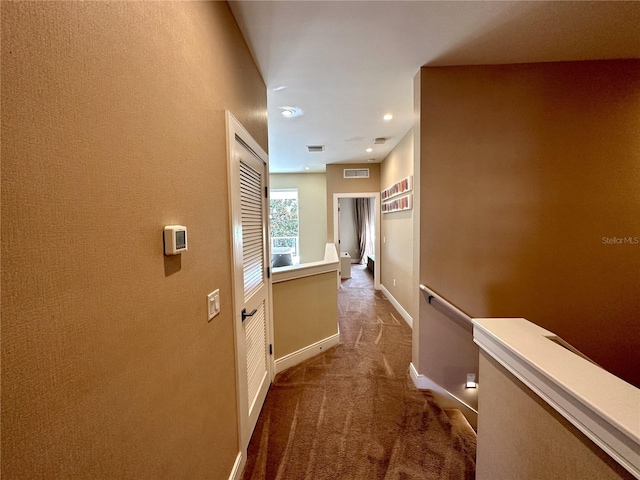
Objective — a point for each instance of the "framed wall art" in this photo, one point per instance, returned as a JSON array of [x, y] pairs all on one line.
[[403, 186], [398, 204]]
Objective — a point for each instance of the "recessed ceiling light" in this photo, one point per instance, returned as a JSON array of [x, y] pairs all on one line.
[[306, 168], [290, 112], [371, 160], [388, 117], [369, 150]]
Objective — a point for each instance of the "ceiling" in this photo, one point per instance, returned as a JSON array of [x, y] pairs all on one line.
[[345, 64]]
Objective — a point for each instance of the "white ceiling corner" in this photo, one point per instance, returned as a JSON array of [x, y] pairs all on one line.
[[347, 63]]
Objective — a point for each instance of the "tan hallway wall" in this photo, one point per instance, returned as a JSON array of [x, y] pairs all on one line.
[[113, 126], [522, 437], [305, 311], [527, 170], [396, 247], [336, 183], [312, 194]]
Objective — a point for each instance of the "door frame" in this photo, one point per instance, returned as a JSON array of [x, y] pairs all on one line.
[[376, 244], [235, 129]]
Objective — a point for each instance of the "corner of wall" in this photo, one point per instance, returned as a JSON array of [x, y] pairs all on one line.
[[403, 313], [443, 397], [417, 175], [238, 466]]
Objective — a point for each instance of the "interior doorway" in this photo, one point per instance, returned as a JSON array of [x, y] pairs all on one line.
[[253, 324], [373, 197]]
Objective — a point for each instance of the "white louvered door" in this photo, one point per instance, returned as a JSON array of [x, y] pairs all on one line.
[[249, 208], [252, 196]]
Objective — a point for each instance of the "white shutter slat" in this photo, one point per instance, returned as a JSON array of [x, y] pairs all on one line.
[[252, 229], [256, 339]]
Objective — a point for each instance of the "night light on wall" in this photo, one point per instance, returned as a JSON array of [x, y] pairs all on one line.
[[471, 381]]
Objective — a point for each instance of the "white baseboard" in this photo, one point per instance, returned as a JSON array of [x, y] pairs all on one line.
[[238, 466], [394, 302], [444, 398], [307, 352]]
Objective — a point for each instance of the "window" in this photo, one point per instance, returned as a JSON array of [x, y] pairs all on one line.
[[285, 230]]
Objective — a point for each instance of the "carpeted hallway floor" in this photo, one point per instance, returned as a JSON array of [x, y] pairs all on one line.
[[353, 412]]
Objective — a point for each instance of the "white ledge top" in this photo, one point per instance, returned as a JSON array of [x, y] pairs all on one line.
[[602, 406], [330, 263]]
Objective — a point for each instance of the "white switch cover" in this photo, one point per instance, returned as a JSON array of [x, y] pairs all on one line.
[[213, 303]]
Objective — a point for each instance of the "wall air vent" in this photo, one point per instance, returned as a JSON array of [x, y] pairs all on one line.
[[356, 173], [315, 148], [379, 140]]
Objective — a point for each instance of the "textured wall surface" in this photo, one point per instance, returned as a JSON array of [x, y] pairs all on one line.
[[521, 437], [397, 230], [312, 194], [336, 183], [305, 311], [113, 126], [527, 170]]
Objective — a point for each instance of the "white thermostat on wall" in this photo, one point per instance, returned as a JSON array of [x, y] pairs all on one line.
[[175, 239]]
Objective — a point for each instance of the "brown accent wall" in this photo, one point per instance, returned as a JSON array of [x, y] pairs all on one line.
[[336, 183], [113, 126], [521, 437], [526, 170]]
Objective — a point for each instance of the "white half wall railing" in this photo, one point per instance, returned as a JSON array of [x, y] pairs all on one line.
[[331, 263], [284, 319], [602, 406]]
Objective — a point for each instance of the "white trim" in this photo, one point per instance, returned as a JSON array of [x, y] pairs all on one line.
[[445, 398], [239, 140], [422, 382], [378, 224], [597, 403], [238, 466], [394, 302], [282, 274], [307, 352], [329, 264]]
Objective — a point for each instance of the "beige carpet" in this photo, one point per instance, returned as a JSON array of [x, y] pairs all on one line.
[[353, 412]]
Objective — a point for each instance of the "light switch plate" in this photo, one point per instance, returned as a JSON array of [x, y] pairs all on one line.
[[213, 303]]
